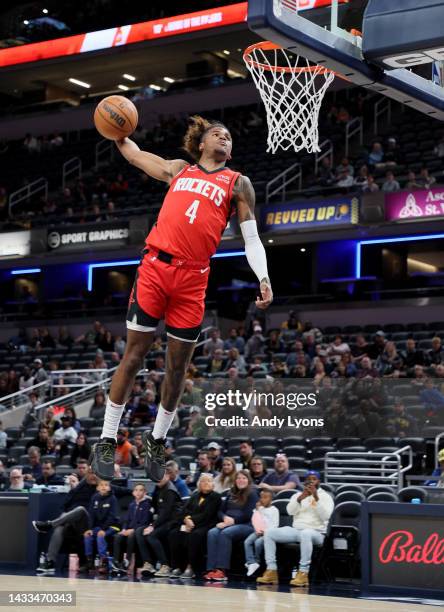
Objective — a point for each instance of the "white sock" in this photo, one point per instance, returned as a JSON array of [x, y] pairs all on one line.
[[162, 423], [113, 414]]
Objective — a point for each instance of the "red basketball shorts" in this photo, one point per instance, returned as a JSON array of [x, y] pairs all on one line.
[[171, 291]]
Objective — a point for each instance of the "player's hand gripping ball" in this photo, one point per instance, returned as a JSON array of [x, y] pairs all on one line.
[[115, 117]]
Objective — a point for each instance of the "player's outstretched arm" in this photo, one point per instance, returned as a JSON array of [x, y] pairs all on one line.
[[245, 199], [153, 165]]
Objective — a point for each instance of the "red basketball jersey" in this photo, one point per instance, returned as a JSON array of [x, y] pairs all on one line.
[[194, 213]]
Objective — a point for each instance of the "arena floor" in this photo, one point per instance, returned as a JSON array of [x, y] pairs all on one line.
[[119, 595]]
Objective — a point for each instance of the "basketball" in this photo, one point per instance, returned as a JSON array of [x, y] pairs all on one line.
[[115, 117]]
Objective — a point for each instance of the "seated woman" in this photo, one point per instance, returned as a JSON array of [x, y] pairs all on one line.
[[187, 542], [225, 480], [235, 524]]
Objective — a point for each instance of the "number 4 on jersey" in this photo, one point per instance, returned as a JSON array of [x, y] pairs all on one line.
[[192, 210]]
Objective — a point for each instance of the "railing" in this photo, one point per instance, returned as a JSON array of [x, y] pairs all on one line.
[[355, 127], [381, 108], [71, 399], [437, 440], [70, 167], [20, 398], [285, 178], [37, 186], [368, 468], [323, 154], [104, 152]]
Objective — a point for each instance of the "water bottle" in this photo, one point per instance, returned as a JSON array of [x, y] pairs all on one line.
[[42, 558], [294, 571], [96, 562], [415, 500]]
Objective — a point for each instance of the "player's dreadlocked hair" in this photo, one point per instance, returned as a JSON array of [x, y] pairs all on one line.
[[194, 134]]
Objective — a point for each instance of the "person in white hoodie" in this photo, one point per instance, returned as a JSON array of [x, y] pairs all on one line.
[[311, 511], [265, 517]]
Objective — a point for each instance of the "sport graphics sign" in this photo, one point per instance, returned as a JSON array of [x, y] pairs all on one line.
[[97, 235], [406, 205], [307, 215], [407, 551]]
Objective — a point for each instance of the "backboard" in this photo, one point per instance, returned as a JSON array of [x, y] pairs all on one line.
[[320, 39]]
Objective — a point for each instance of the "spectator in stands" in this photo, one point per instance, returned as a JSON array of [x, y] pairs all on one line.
[[366, 369], [400, 423], [151, 540], [412, 356], [39, 372], [439, 149], [225, 480], [217, 362], [81, 469], [376, 156], [191, 396], [103, 523], [65, 436], [390, 184], [119, 186], [170, 453], [17, 481], [3, 477], [311, 511], [235, 360], [361, 178], [265, 516], [75, 421], [139, 515], [50, 421], [234, 341], [172, 469], [81, 449], [345, 180], [3, 437], [49, 476], [255, 343], [64, 338], [33, 471], [344, 166], [371, 186], [125, 451], [438, 473], [97, 410], [235, 524], [310, 331], [213, 343], [258, 469], [412, 182], [389, 362], [343, 115], [274, 342], [204, 467], [31, 144], [257, 365], [292, 323], [391, 152], [187, 541], [281, 479], [56, 141], [435, 355], [378, 346], [432, 398], [360, 347], [214, 451], [196, 425], [119, 345], [337, 348], [26, 380], [325, 176], [425, 180], [46, 340], [246, 453], [41, 440]]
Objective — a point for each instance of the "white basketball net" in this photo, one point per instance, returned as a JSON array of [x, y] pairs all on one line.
[[292, 91]]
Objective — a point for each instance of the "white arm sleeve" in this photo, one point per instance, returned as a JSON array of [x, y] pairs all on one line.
[[254, 249]]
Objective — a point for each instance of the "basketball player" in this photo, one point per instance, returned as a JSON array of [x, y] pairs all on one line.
[[172, 277]]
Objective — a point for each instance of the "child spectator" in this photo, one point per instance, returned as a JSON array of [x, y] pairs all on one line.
[[265, 516], [139, 515], [104, 522]]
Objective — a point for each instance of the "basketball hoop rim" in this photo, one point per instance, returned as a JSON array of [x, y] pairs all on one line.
[[267, 45]]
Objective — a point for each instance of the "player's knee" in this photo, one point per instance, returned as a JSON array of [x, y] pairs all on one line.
[[132, 361]]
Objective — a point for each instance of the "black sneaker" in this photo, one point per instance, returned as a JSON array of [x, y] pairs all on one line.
[[154, 456], [47, 567], [102, 458], [116, 568], [42, 526]]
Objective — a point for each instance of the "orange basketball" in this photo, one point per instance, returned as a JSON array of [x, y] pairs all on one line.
[[115, 117]]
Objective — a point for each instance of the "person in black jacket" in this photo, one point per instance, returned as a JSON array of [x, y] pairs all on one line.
[[103, 522], [234, 524], [188, 541], [49, 476], [81, 450], [73, 520], [139, 515], [167, 504]]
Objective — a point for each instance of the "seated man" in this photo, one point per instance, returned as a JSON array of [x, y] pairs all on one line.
[[49, 476], [281, 479], [74, 520], [311, 511], [438, 473], [172, 469]]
